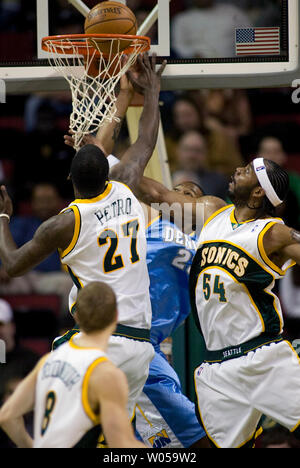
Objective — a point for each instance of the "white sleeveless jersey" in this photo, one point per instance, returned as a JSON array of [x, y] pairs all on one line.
[[109, 245], [63, 417], [232, 279]]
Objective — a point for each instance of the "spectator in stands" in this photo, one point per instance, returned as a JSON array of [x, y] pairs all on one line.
[[19, 362], [49, 158], [47, 277], [261, 12], [207, 29], [192, 162], [222, 154], [228, 110], [59, 101]]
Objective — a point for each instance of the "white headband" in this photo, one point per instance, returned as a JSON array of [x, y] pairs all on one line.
[[263, 179]]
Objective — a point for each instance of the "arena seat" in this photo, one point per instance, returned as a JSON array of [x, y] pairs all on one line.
[[36, 318], [24, 302]]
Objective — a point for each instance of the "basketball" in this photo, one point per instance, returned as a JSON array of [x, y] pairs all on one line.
[[111, 18]]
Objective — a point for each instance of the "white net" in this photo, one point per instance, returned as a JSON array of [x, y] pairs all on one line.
[[93, 75]]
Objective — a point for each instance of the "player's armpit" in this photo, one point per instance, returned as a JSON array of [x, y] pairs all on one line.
[[55, 233], [109, 387]]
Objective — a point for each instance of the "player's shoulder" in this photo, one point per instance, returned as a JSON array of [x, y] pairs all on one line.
[[120, 185], [213, 206], [107, 375], [276, 229]]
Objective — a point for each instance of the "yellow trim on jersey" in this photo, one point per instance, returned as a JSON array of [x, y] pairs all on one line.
[[263, 253], [71, 273], [296, 354], [143, 415], [85, 386], [198, 405], [118, 182], [258, 432], [153, 221], [216, 214], [254, 436], [260, 264], [133, 415], [76, 233], [246, 290], [243, 250], [234, 220], [81, 348], [96, 199]]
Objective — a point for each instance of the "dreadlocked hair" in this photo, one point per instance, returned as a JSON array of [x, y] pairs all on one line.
[[279, 179]]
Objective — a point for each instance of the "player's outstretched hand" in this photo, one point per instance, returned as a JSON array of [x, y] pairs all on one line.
[[6, 206], [145, 78], [87, 140]]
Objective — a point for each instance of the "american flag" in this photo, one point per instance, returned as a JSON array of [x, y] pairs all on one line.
[[257, 41]]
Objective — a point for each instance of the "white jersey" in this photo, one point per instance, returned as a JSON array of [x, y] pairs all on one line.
[[109, 245], [232, 279], [63, 417]]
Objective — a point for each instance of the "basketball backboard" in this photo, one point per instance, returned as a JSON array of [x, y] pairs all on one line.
[[208, 43]]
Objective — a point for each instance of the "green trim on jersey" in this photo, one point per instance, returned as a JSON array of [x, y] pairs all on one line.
[[74, 278], [245, 270]]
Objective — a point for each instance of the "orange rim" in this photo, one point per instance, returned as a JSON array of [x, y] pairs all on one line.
[[64, 44]]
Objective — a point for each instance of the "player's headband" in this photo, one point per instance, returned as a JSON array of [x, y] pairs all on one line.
[[264, 181]]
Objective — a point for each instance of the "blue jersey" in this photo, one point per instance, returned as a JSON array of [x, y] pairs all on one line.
[[169, 258]]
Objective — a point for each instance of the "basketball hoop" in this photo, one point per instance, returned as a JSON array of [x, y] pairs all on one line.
[[93, 85]]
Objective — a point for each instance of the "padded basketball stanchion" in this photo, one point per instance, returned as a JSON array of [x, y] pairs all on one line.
[[93, 75]]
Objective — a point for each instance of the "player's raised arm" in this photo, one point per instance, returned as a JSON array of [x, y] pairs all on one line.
[[55, 233], [284, 242], [108, 133], [152, 192], [135, 159], [109, 390]]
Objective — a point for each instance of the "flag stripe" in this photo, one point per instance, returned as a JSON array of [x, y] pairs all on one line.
[[259, 47], [258, 41], [260, 53]]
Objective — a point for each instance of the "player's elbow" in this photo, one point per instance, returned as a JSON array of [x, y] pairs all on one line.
[[13, 270], [5, 417]]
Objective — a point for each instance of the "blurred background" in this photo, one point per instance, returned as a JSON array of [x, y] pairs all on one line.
[[208, 133]]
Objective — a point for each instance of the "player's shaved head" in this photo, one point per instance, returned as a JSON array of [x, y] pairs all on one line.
[[89, 171], [96, 307], [189, 188]]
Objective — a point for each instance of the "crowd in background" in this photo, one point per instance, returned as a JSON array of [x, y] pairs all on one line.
[[208, 133]]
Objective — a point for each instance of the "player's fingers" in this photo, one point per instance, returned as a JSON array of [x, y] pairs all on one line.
[[153, 61], [162, 68], [68, 140], [146, 60]]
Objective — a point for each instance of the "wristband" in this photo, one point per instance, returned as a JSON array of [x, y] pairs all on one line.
[[112, 161], [4, 215]]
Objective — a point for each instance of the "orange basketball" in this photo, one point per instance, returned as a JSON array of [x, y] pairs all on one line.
[[110, 18]]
